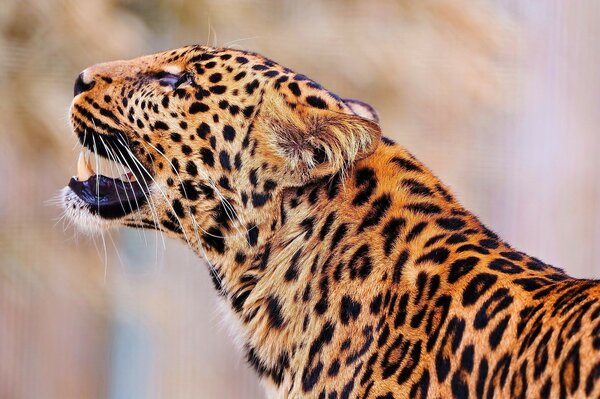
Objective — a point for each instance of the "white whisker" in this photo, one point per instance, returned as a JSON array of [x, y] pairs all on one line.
[[161, 191], [149, 199], [113, 158], [105, 255], [229, 44]]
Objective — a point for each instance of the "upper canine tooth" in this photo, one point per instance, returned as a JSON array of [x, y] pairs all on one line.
[[84, 169]]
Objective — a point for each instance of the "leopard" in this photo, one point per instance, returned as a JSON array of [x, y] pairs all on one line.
[[346, 268]]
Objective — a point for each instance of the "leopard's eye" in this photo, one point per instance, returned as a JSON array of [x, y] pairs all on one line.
[[171, 79]]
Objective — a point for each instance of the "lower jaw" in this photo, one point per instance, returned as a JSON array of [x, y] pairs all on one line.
[[112, 205], [115, 211]]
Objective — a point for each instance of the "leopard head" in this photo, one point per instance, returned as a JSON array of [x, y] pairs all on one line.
[[202, 143]]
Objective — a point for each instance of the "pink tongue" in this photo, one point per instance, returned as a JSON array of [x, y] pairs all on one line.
[[128, 176]]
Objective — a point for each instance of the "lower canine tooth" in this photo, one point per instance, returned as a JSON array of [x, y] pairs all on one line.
[[84, 171]]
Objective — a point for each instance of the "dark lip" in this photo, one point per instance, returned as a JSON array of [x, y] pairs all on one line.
[[109, 197]]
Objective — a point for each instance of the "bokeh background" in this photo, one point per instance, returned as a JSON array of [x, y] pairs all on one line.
[[500, 97]]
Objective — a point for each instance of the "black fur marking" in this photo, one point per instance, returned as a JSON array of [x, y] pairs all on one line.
[[160, 125], [252, 235], [191, 168], [365, 179], [569, 372], [274, 312], [437, 255], [450, 223], [407, 164], [316, 102], [349, 309], [340, 232], [312, 372], [478, 286], [448, 347], [498, 332], [260, 199], [225, 161], [399, 266], [500, 300], [416, 187], [360, 264], [327, 225], [198, 107], [380, 207], [424, 207], [295, 89], [292, 271], [504, 266], [213, 238], [178, 208], [390, 233], [420, 388], [207, 156], [203, 130], [415, 231], [228, 133], [461, 267]]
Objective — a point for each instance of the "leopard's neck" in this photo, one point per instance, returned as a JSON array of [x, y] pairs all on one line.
[[345, 250]]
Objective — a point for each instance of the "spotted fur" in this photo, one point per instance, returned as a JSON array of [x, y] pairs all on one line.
[[349, 268]]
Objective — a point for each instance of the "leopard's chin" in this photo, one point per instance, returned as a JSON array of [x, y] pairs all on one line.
[[78, 212]]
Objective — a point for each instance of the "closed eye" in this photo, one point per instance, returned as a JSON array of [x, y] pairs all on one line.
[[171, 79]]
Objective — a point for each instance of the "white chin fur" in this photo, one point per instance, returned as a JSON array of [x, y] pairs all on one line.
[[78, 212]]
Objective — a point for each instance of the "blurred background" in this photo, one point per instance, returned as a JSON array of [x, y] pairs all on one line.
[[500, 98]]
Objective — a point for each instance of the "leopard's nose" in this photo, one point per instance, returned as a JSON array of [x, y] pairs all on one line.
[[81, 85]]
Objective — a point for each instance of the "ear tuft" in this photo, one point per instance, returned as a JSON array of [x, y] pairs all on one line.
[[363, 109], [315, 142]]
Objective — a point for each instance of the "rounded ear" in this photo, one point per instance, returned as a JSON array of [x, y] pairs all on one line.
[[311, 142], [363, 109]]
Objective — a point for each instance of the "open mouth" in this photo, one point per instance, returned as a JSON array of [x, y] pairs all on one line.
[[109, 188]]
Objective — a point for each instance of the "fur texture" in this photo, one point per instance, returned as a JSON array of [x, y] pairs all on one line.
[[349, 268]]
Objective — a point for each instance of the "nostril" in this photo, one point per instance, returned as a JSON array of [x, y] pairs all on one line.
[[81, 86]]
